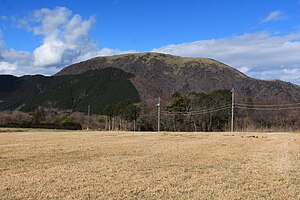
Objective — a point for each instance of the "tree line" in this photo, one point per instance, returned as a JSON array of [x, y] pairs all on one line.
[[180, 114], [176, 118], [121, 116]]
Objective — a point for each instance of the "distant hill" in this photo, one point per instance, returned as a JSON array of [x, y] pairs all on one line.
[[72, 92], [157, 74], [138, 77]]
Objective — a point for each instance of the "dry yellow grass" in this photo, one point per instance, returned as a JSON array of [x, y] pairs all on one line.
[[107, 165]]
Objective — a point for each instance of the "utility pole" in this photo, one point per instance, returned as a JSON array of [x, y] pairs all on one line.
[[232, 108], [106, 123], [88, 119], [158, 114]]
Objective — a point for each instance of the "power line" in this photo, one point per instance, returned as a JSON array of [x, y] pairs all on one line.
[[224, 107], [148, 115], [266, 109], [232, 106], [195, 113], [269, 105], [199, 111]]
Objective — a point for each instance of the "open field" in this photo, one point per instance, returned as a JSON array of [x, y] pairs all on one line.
[[127, 165]]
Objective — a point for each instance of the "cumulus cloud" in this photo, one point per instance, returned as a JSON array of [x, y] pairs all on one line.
[[65, 36], [65, 40], [10, 59], [16, 62], [274, 16], [7, 67], [261, 55]]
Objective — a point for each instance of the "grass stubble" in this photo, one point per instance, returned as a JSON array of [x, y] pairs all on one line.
[[136, 165]]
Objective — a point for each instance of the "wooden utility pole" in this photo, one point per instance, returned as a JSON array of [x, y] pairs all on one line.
[[88, 119], [158, 114], [232, 108]]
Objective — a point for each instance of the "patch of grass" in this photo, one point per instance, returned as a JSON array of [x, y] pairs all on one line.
[[5, 130], [137, 165]]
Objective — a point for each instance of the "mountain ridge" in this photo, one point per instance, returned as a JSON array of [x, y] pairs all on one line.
[[157, 74], [140, 78], [69, 92]]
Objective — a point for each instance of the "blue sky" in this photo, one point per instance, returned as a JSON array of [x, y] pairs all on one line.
[[259, 37]]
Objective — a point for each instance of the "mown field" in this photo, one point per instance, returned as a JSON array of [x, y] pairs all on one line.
[[133, 165]]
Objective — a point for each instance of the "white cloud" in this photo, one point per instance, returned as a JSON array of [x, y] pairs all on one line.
[[7, 67], [65, 40], [274, 16], [49, 53], [291, 75], [12, 61], [12, 55], [110, 52], [260, 54], [15, 62], [65, 36], [244, 69]]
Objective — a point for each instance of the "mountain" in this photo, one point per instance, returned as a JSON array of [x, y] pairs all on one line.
[[157, 74], [72, 92], [138, 77]]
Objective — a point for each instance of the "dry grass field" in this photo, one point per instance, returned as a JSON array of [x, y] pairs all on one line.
[[133, 165]]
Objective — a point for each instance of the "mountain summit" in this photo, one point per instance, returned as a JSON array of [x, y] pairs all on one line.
[[140, 78], [157, 74]]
